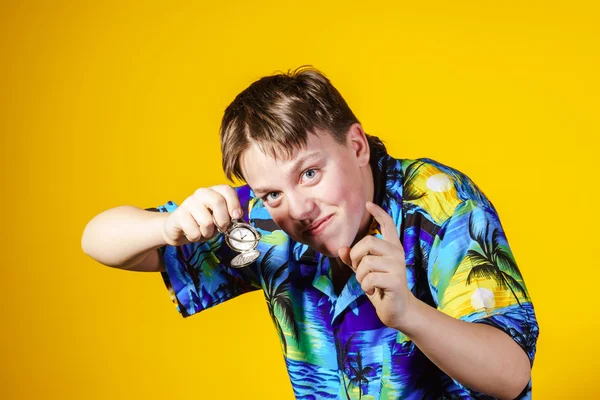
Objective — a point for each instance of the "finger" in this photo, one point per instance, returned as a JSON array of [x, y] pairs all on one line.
[[231, 198], [189, 226], [216, 204], [344, 254], [369, 245], [371, 264], [204, 220], [376, 280], [386, 223]]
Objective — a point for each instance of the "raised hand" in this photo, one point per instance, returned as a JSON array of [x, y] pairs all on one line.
[[193, 220], [380, 269]]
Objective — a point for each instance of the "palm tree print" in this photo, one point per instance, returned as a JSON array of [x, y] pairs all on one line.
[[487, 263], [342, 356], [393, 175], [359, 374], [193, 263], [278, 298], [409, 176], [527, 338]]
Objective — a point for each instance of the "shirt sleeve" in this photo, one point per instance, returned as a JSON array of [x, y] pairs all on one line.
[[473, 275], [198, 275]]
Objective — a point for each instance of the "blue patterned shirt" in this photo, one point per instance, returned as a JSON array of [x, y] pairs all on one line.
[[458, 260]]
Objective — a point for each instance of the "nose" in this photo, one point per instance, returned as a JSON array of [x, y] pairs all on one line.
[[300, 206]]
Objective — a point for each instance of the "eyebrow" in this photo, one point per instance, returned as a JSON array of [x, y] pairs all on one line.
[[296, 167]]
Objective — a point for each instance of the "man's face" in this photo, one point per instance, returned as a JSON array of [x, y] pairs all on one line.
[[318, 196]]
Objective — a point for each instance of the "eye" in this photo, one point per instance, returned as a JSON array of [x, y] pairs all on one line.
[[271, 196], [309, 174]]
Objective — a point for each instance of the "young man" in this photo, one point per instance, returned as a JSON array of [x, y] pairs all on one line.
[[385, 278]]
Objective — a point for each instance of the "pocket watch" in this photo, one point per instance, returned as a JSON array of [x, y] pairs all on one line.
[[243, 238]]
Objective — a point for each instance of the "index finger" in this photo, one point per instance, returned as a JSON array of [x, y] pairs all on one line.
[[232, 200], [386, 223]]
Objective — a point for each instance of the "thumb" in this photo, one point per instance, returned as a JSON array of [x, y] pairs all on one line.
[[344, 253]]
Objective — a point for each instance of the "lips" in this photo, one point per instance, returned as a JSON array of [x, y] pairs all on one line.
[[318, 226]]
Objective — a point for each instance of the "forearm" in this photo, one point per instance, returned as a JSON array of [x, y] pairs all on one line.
[[479, 356], [123, 236]]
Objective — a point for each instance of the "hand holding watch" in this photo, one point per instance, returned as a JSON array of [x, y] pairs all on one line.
[[243, 238]]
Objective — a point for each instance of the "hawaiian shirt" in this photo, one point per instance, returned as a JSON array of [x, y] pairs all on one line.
[[458, 260]]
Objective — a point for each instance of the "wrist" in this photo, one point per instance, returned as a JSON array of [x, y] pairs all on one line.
[[410, 319], [158, 227]]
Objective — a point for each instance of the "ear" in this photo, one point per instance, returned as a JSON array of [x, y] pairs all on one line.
[[357, 140]]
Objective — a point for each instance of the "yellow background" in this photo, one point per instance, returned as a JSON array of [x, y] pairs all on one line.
[[107, 103]]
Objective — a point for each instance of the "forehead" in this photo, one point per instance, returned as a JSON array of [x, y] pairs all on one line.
[[263, 165]]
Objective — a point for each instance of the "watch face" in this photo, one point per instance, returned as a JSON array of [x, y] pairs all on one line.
[[247, 240]]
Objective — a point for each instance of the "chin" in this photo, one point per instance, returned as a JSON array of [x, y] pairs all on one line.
[[330, 245], [328, 253], [330, 248]]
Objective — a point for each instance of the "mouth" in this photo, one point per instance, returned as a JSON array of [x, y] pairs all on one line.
[[318, 226]]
